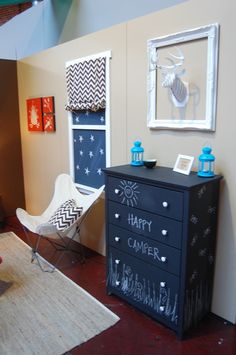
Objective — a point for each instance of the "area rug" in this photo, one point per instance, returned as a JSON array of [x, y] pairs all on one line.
[[43, 313]]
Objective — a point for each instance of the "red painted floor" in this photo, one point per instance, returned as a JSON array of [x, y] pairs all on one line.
[[136, 333]]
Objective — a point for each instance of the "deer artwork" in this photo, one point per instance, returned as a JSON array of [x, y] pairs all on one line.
[[171, 76]]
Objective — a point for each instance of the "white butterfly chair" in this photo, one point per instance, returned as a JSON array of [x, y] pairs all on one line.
[[62, 218]]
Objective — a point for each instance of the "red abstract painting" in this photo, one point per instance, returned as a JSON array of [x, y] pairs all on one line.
[[48, 114], [34, 114]]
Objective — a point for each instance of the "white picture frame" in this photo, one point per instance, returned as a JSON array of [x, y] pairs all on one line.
[[199, 112], [183, 164]]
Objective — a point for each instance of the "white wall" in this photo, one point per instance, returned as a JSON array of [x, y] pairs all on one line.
[[89, 16], [57, 21], [34, 30]]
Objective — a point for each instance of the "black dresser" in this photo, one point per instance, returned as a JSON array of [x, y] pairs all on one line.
[[160, 240]]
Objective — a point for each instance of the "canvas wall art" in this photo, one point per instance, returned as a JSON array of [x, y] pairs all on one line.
[[48, 113], [34, 114]]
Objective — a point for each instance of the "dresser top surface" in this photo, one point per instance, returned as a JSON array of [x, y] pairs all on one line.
[[161, 175]]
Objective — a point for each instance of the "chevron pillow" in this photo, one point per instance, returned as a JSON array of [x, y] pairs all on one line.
[[66, 215]]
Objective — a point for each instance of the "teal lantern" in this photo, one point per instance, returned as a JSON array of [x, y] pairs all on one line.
[[206, 163], [137, 154]]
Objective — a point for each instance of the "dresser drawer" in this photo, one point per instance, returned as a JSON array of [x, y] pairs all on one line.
[[165, 202], [165, 230], [158, 254], [152, 290]]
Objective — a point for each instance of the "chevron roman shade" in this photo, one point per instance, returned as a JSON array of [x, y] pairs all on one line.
[[86, 85]]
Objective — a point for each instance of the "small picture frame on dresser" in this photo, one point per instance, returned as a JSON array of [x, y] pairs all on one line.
[[183, 164]]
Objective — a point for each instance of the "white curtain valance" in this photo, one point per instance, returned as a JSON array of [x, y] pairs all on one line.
[[86, 85]]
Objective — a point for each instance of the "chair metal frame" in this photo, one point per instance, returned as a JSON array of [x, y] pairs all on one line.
[[65, 189]]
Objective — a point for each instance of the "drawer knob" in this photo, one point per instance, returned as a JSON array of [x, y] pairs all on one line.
[[163, 284], [117, 283], [164, 232], [165, 204], [162, 308], [163, 259], [117, 239], [117, 191], [117, 261], [117, 215]]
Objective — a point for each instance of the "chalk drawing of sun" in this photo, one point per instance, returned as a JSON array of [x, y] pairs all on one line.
[[129, 192]]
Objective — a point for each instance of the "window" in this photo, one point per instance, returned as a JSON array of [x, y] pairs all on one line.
[[89, 119]]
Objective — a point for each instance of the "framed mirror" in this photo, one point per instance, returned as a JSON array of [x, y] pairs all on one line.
[[182, 79]]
